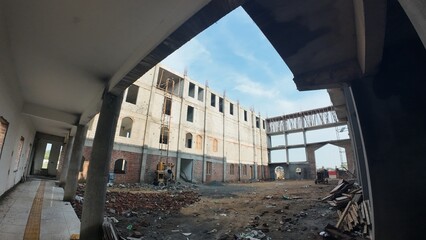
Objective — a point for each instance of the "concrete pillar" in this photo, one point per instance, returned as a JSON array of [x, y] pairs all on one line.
[[203, 177], [416, 12], [53, 158], [97, 177], [391, 116], [147, 126], [66, 162], [74, 163]]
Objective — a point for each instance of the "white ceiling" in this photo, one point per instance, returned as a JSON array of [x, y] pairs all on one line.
[[65, 53]]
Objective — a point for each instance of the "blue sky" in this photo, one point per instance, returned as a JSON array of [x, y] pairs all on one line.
[[234, 56]]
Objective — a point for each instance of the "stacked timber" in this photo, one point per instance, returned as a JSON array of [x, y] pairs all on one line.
[[352, 210]]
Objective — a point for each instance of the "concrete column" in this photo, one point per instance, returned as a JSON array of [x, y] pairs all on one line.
[[97, 177], [390, 113], [287, 153], [203, 177], [416, 12], [239, 143], [66, 162], [144, 145], [178, 158], [223, 138], [74, 163]]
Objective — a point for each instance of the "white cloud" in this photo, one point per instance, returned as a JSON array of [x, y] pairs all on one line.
[[188, 54], [245, 85]]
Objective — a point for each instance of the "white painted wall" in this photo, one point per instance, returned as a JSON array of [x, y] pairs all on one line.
[[12, 166]]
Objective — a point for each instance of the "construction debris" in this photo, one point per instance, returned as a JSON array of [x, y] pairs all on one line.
[[353, 212], [252, 235]]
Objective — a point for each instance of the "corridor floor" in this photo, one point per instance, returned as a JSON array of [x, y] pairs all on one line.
[[35, 210]]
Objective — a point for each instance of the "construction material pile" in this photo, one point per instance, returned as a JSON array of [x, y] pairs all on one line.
[[352, 210], [131, 213]]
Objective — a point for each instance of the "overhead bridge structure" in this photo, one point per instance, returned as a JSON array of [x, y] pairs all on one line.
[[315, 119]]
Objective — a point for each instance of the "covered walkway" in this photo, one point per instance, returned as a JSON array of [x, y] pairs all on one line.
[[35, 210]]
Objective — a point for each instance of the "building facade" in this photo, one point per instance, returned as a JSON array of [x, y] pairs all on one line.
[[168, 116]]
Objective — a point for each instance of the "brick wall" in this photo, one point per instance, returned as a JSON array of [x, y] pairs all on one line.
[[232, 177], [217, 172], [197, 174], [133, 161], [151, 166]]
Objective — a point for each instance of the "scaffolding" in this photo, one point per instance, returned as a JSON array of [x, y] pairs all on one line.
[[164, 172]]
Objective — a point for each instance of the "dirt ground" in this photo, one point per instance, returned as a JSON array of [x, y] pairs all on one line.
[[279, 209]]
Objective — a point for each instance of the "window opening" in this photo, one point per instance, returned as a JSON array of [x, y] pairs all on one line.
[[164, 135], [245, 115], [221, 105], [132, 94], [263, 123], [231, 108], [167, 108], [190, 114], [191, 90], [200, 94], [170, 82], [126, 127], [188, 140], [213, 100], [120, 166], [257, 122], [46, 156]]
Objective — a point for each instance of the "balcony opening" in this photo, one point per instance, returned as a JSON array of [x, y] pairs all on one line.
[[170, 82]]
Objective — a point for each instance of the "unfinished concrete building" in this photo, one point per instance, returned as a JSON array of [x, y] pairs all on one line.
[[206, 136], [61, 63]]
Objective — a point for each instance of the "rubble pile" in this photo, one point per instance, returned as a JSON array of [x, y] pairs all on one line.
[[121, 202], [352, 210], [145, 186], [125, 202]]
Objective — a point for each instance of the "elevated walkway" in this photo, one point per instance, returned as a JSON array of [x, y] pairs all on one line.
[[35, 210]]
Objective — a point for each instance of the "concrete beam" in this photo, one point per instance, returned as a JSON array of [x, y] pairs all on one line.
[[330, 77], [49, 113]]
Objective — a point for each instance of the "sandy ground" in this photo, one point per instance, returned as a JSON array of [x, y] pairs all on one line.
[[280, 210]]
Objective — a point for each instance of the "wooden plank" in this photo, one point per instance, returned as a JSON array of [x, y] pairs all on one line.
[[367, 214], [327, 198], [345, 212]]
